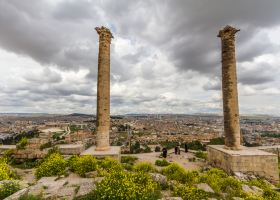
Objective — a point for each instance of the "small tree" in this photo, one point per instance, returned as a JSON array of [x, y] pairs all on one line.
[[22, 143], [157, 149]]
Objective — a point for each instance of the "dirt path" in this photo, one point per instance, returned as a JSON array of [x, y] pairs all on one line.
[[181, 159]]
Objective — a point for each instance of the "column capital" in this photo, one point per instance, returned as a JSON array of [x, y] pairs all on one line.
[[228, 32], [104, 32]]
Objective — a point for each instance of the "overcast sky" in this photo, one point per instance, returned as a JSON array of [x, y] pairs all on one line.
[[165, 55]]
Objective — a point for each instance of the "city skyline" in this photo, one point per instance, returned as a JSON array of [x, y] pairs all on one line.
[[162, 61]]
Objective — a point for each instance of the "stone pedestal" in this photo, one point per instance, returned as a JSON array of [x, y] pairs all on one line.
[[71, 149], [113, 152], [247, 161]]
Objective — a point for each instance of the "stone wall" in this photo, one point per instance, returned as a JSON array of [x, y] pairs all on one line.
[[71, 149]]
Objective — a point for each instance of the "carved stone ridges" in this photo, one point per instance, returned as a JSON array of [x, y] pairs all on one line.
[[229, 86], [103, 89]]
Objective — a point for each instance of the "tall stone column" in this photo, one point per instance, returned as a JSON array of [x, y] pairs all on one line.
[[229, 85], [103, 89]]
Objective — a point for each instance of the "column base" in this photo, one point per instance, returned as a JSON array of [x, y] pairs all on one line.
[[102, 148], [236, 148], [113, 151], [246, 160]]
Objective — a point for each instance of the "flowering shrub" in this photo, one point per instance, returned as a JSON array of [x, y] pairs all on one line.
[[178, 173], [109, 164], [126, 186], [8, 188], [127, 166], [5, 173], [144, 167], [216, 178], [189, 193], [82, 164], [128, 159], [30, 197], [53, 165], [162, 163], [201, 154], [269, 193], [220, 182]]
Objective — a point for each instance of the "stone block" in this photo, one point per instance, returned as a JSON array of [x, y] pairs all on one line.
[[247, 160], [113, 151], [71, 149]]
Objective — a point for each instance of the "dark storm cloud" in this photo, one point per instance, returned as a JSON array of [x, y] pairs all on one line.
[[117, 100], [74, 10], [61, 34], [260, 74], [40, 32], [185, 30]]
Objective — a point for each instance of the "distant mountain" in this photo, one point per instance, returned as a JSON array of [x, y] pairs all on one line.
[[25, 114], [80, 115]]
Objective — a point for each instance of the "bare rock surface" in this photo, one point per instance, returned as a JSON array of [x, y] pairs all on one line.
[[18, 194], [159, 178], [63, 188], [252, 189], [205, 187]]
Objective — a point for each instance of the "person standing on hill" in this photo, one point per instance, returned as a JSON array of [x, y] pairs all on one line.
[[186, 147], [164, 152]]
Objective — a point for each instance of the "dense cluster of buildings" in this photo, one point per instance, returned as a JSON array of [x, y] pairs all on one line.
[[146, 129]]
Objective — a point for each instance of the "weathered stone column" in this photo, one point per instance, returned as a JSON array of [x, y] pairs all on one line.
[[229, 85], [103, 89]]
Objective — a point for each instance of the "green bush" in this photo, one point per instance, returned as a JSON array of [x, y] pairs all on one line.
[[169, 144], [189, 193], [128, 159], [126, 186], [162, 163], [178, 173], [127, 166], [259, 183], [30, 197], [201, 154], [5, 172], [196, 145], [157, 149], [53, 165], [232, 187], [25, 164], [269, 193], [89, 196], [22, 143], [8, 188], [82, 164], [147, 149], [109, 164], [46, 145], [213, 178], [220, 182], [217, 141], [144, 167]]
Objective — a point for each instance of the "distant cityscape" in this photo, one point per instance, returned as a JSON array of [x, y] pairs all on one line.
[[148, 129]]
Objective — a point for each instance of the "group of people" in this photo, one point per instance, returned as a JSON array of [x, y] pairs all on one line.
[[177, 150]]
